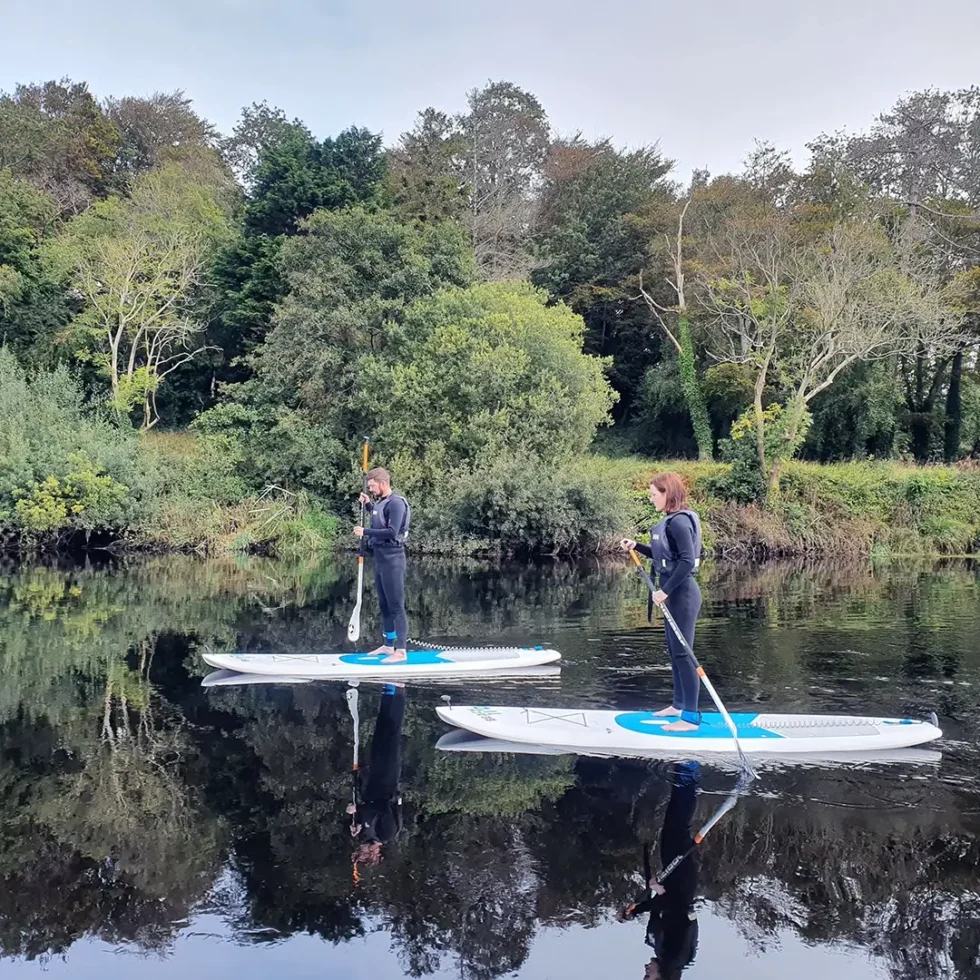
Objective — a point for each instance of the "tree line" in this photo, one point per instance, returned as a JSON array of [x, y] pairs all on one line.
[[485, 297]]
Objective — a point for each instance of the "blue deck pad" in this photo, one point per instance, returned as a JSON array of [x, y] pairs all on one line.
[[712, 726], [416, 658]]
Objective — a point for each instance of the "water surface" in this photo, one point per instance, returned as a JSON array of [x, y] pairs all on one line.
[[150, 824]]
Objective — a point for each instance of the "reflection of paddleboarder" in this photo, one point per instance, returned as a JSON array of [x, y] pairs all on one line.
[[672, 929], [376, 812]]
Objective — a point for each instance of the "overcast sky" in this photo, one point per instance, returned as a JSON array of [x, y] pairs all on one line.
[[704, 79]]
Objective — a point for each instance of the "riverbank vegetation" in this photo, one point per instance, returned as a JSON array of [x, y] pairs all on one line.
[[198, 329]]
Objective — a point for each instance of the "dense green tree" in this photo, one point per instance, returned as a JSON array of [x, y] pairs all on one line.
[[350, 277], [289, 176], [593, 243], [296, 175], [56, 136], [483, 372], [425, 173], [32, 307]]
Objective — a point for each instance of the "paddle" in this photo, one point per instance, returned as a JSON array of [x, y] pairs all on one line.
[[704, 677], [354, 626]]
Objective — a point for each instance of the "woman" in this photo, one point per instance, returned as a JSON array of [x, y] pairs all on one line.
[[675, 549]]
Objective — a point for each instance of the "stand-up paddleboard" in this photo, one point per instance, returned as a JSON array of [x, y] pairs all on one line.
[[420, 663], [626, 732], [234, 678], [460, 740]]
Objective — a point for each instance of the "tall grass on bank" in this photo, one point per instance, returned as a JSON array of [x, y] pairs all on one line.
[[883, 508]]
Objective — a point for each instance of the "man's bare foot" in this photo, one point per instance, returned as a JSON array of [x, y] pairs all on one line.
[[668, 712], [382, 649], [397, 657], [679, 726]]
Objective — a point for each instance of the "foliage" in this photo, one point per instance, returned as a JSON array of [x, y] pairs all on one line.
[[480, 373], [351, 277], [661, 425], [83, 500], [517, 505], [140, 264], [746, 481], [591, 245], [63, 468], [56, 136], [31, 308], [295, 176], [328, 295]]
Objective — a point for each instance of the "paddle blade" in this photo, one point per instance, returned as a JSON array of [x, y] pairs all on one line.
[[354, 626]]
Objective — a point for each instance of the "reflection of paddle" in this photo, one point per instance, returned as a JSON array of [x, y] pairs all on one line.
[[704, 677], [354, 626], [744, 779]]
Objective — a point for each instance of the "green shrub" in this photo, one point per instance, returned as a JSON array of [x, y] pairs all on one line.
[[83, 500], [517, 505]]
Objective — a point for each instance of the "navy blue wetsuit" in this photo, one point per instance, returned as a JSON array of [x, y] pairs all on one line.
[[675, 552], [384, 535]]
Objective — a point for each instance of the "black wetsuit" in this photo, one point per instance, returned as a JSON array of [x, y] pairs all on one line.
[[675, 553], [672, 929], [379, 809], [388, 519]]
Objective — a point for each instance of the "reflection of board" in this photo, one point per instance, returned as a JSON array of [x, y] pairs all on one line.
[[233, 678], [420, 663], [459, 740], [626, 732]]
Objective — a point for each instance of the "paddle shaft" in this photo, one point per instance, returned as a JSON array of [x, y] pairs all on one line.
[[722, 710], [354, 626]]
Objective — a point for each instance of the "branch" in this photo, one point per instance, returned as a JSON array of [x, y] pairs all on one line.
[[656, 310]]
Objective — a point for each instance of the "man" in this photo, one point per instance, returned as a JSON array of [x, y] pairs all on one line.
[[385, 536]]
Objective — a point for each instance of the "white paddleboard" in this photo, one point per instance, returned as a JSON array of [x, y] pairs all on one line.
[[460, 740], [629, 732], [233, 678], [420, 663]]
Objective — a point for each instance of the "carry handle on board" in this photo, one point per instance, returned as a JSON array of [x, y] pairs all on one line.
[[704, 677]]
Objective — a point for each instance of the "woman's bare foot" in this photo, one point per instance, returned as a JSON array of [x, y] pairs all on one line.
[[382, 649], [397, 657], [679, 726], [668, 712]]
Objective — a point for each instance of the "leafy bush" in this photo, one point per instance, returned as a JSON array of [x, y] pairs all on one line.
[[63, 466], [745, 482], [521, 505], [83, 500], [480, 372]]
